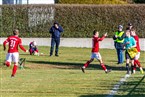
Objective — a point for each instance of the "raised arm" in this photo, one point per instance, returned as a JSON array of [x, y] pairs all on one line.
[[100, 39]]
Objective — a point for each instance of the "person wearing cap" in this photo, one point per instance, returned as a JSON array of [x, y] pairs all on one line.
[[33, 48], [118, 43], [55, 32]]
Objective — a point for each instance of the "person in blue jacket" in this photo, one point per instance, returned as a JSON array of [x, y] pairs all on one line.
[[55, 32]]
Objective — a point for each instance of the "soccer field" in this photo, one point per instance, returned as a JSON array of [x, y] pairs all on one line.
[[45, 76]]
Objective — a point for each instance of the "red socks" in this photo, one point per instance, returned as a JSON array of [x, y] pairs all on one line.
[[87, 64], [103, 67], [14, 70], [136, 62]]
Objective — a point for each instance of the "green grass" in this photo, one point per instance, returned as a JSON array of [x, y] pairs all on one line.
[[61, 76]]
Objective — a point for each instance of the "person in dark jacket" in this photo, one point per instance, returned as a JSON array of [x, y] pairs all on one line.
[[118, 43], [55, 32]]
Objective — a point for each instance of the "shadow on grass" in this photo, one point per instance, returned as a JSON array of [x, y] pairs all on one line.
[[76, 65]]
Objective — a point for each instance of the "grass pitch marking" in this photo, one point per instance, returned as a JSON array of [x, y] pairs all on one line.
[[116, 87]]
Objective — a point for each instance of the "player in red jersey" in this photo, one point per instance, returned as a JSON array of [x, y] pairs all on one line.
[[95, 52], [136, 59], [13, 55]]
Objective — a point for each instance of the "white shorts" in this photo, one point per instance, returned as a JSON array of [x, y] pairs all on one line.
[[96, 55], [12, 57], [137, 56]]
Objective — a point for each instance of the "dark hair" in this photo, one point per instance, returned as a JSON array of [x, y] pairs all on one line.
[[127, 28], [94, 32], [129, 24], [133, 29], [56, 23]]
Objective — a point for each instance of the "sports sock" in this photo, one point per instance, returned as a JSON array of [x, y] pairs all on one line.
[[132, 69], [138, 63], [127, 67], [87, 64], [14, 70], [103, 67]]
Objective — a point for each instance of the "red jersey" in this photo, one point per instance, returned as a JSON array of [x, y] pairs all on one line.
[[14, 42], [95, 43], [137, 42]]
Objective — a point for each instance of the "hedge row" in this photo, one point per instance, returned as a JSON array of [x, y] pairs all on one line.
[[77, 20], [92, 1]]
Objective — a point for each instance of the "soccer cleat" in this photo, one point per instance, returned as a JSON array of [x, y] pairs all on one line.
[[141, 71], [127, 72], [12, 76], [108, 71], [83, 69]]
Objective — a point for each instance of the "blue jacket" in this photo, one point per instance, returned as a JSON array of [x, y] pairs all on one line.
[[55, 32]]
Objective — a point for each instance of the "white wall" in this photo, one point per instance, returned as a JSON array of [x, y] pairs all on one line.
[[0, 2], [74, 42], [41, 2]]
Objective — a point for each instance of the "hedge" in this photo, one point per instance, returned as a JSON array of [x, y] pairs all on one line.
[[77, 20], [92, 1]]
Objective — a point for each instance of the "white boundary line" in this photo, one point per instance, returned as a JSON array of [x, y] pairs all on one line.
[[116, 87]]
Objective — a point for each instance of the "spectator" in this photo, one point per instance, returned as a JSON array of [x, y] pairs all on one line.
[[55, 32], [118, 43]]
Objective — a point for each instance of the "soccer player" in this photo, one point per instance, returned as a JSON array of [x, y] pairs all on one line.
[[129, 43], [33, 49], [136, 59], [95, 52], [13, 55]]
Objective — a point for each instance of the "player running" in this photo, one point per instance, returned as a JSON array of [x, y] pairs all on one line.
[[13, 55], [95, 52], [136, 59]]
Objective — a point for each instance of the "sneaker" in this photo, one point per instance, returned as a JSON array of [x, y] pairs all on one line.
[[83, 69], [56, 55], [108, 71], [141, 71]]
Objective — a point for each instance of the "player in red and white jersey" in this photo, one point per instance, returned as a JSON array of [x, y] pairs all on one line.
[[13, 55], [136, 59], [95, 52]]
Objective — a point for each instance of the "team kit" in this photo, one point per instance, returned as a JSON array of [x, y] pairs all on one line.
[[127, 41]]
